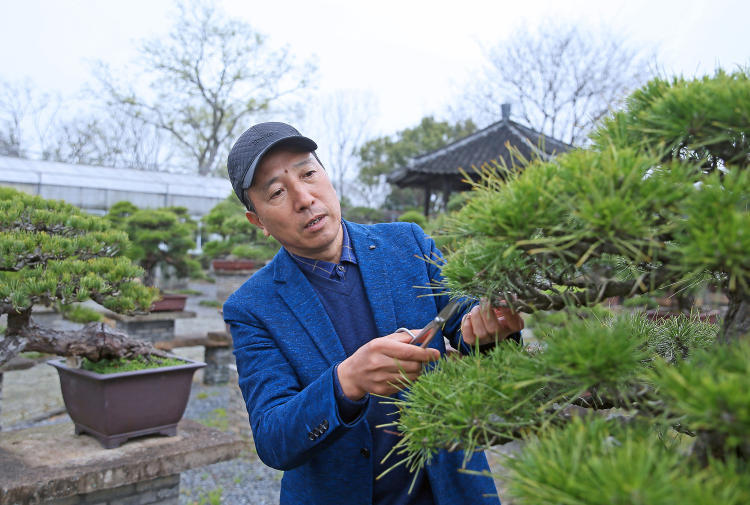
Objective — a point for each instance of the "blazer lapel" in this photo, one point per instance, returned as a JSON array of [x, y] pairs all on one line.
[[375, 276], [303, 302]]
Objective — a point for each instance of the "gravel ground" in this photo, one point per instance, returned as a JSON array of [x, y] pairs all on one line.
[[242, 481]]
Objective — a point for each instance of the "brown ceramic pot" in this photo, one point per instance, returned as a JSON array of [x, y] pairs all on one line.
[[238, 264], [116, 407]]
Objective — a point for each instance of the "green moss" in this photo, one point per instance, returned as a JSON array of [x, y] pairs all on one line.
[[217, 418], [194, 292], [107, 366], [209, 303], [79, 313], [413, 216], [32, 355]]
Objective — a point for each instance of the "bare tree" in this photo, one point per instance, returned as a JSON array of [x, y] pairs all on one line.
[[26, 116], [561, 79], [342, 120], [204, 80], [107, 138]]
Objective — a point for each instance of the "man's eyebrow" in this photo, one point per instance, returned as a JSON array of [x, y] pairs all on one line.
[[303, 162], [270, 181]]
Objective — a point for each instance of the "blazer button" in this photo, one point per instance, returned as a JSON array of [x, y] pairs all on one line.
[[365, 452], [311, 436]]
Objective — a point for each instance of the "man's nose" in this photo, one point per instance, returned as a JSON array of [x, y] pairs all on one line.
[[302, 197]]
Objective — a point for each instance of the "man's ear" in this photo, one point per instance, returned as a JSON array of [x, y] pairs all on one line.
[[255, 220]]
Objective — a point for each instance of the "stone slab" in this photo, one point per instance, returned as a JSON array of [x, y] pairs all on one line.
[[150, 317], [49, 462]]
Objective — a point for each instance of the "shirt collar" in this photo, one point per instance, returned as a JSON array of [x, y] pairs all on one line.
[[325, 268]]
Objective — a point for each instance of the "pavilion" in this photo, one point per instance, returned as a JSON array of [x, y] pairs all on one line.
[[440, 170]]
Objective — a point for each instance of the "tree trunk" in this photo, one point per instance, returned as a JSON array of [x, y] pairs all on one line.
[[737, 321], [95, 341], [1, 398], [13, 343]]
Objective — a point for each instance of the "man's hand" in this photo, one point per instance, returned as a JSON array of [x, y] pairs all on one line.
[[486, 324], [380, 365]]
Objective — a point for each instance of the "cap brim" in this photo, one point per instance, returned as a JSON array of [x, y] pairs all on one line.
[[296, 140]]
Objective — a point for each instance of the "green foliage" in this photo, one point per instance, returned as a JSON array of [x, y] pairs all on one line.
[[710, 392], [227, 219], [239, 238], [159, 237], [634, 213], [594, 462], [246, 251], [477, 401], [544, 321], [79, 313], [210, 303], [53, 252], [659, 201], [364, 215], [413, 216], [645, 301], [107, 366], [675, 339]]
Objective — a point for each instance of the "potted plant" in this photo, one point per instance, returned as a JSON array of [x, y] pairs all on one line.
[[116, 400], [610, 409], [51, 252], [239, 246], [159, 238]]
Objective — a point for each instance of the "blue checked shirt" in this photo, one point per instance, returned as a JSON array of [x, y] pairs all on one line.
[[324, 268]]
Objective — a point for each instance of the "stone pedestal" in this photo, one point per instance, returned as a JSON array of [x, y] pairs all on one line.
[[228, 281], [153, 327], [49, 465], [218, 358]]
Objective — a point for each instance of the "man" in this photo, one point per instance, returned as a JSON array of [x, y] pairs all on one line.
[[315, 335]]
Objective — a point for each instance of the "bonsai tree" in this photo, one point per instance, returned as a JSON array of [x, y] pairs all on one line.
[[613, 409], [51, 252], [158, 237], [238, 238]]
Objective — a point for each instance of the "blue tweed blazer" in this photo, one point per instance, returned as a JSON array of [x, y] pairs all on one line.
[[286, 349]]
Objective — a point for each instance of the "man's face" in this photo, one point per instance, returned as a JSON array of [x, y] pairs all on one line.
[[296, 204]]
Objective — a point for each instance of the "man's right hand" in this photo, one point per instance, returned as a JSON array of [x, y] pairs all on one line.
[[380, 366]]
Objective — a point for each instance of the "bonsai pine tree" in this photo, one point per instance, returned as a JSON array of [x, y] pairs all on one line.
[[50, 252], [237, 236], [616, 409], [158, 237]]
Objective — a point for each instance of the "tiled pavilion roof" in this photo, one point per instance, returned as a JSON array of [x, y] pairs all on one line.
[[439, 169]]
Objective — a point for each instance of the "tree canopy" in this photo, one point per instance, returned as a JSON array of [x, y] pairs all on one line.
[[51, 251], [204, 82], [561, 79], [383, 155], [661, 199]]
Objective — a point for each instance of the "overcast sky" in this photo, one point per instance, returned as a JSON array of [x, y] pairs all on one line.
[[412, 54]]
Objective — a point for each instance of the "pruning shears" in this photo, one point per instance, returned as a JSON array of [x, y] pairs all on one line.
[[425, 336]]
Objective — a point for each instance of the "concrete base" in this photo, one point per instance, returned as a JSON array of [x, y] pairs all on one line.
[[228, 281], [161, 491], [50, 465], [153, 327], [217, 361]]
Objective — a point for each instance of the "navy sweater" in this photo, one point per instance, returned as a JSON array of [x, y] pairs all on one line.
[[345, 301]]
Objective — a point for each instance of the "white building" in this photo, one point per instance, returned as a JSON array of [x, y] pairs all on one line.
[[96, 189]]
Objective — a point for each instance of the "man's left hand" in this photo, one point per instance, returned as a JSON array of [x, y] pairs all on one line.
[[486, 323]]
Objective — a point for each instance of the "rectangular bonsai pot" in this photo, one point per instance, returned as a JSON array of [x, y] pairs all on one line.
[[114, 408], [169, 303]]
